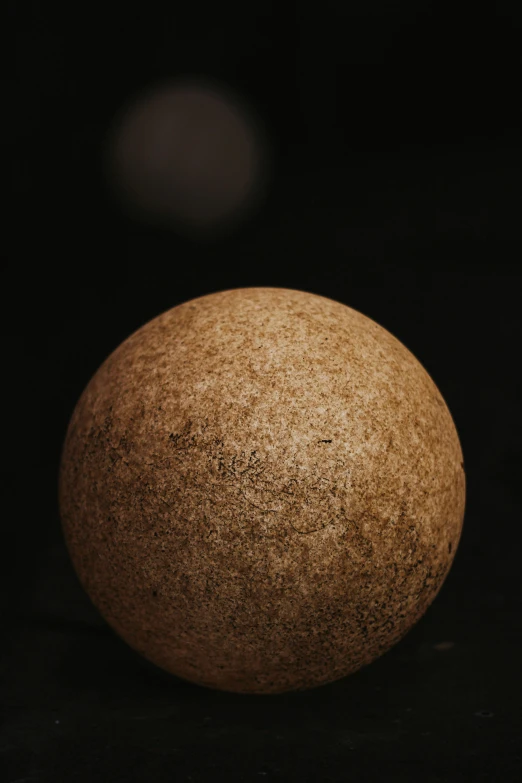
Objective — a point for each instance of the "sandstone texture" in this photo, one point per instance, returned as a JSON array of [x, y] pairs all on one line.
[[262, 490]]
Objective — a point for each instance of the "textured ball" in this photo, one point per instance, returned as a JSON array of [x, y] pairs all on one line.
[[262, 490]]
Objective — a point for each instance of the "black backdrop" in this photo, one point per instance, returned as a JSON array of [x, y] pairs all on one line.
[[395, 188]]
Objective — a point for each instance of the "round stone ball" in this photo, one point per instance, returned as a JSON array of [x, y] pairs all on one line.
[[262, 490]]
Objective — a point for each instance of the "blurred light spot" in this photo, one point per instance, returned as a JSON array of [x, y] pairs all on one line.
[[443, 646], [190, 155]]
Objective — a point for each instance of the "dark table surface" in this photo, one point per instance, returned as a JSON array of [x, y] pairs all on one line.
[[444, 704]]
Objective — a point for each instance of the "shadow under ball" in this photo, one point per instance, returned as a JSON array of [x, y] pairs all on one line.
[[262, 490]]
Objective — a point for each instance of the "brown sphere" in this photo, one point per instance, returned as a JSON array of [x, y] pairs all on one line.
[[262, 490]]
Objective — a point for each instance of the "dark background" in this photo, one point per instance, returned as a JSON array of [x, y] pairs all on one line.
[[396, 188]]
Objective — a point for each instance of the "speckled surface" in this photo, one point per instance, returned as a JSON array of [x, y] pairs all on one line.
[[262, 490]]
